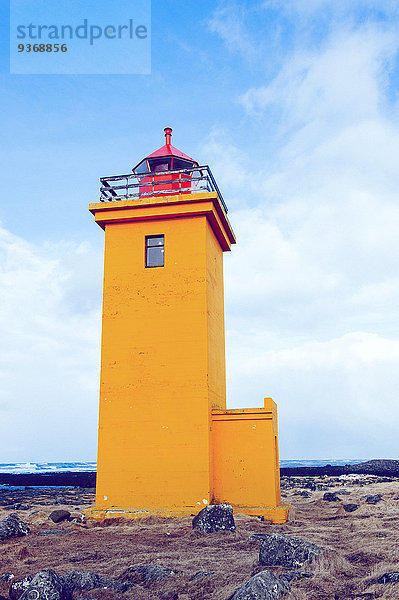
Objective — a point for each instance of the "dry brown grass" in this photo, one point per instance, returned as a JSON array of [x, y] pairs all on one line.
[[359, 547]]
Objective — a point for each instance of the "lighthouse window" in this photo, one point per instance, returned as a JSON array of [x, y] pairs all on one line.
[[181, 163], [154, 250], [159, 164]]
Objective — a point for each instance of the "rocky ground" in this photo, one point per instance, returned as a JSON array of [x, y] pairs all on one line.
[[352, 519]]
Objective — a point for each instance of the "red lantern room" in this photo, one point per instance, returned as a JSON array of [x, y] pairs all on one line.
[[165, 169]]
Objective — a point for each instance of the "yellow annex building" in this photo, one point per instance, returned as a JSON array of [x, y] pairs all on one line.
[[167, 445]]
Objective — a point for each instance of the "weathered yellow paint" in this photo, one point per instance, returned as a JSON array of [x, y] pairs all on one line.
[[246, 465], [166, 442], [162, 365]]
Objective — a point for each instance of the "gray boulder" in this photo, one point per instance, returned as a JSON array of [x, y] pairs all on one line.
[[373, 499], [215, 517], [310, 484], [262, 586], [59, 515], [331, 497], [303, 493], [285, 551], [350, 507], [46, 584], [87, 580], [82, 580], [12, 526], [392, 577]]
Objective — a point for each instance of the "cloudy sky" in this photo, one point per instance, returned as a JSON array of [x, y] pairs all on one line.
[[294, 105]]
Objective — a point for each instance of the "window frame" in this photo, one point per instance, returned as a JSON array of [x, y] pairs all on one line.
[[147, 247]]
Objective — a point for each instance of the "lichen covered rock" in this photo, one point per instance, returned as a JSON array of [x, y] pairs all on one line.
[[262, 586], [46, 584], [215, 517], [285, 551], [12, 526]]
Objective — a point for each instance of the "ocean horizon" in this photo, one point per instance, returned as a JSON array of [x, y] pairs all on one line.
[[63, 467]]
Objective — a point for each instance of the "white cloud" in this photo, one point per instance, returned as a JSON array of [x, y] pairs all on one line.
[[336, 398], [49, 359], [228, 21], [312, 288], [339, 82]]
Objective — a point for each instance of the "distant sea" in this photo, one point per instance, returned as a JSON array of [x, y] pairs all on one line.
[[62, 467], [46, 467]]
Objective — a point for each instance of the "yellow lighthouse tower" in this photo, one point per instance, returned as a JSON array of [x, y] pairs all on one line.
[[167, 445]]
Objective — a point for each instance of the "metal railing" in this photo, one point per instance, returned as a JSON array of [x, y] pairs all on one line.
[[161, 183]]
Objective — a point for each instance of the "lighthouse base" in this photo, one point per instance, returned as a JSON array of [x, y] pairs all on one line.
[[275, 514]]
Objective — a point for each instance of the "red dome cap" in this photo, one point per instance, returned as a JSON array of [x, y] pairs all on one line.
[[166, 151]]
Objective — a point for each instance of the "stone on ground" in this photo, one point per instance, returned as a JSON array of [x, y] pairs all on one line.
[[46, 584], [350, 507], [59, 515], [12, 526], [82, 580], [87, 580], [262, 586], [285, 551], [392, 577], [373, 499], [215, 517], [331, 497], [303, 493]]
